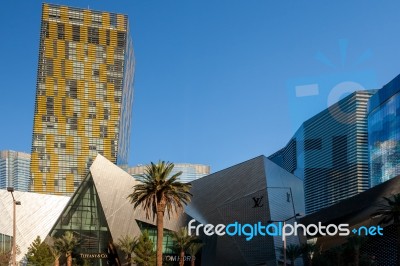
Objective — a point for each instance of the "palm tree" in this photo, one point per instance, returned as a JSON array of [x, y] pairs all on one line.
[[292, 252], [308, 251], [127, 244], [158, 192], [182, 242], [66, 244], [193, 249], [56, 252], [390, 210]]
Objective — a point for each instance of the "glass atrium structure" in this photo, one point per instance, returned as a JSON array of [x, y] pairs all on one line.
[[85, 218]]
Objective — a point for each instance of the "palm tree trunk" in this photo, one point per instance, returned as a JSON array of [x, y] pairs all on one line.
[[130, 259], [69, 259], [57, 262], [181, 258], [160, 235], [192, 261], [292, 262]]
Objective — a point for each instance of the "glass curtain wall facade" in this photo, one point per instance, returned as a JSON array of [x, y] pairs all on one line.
[[168, 242], [330, 152], [384, 133], [170, 251], [85, 218], [83, 98], [5, 243], [14, 170]]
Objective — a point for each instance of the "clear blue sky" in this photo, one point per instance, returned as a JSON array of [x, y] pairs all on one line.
[[215, 79]]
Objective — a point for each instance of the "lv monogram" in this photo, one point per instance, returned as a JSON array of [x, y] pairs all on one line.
[[257, 202]]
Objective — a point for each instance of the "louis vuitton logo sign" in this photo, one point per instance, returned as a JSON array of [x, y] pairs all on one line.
[[258, 202]]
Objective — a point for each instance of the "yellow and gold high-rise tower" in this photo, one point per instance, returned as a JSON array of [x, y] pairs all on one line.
[[84, 95]]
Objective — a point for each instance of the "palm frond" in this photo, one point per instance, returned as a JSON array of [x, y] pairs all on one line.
[[390, 209], [194, 248], [182, 239], [127, 244]]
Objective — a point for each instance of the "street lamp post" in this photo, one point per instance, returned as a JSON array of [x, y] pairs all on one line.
[[284, 236], [14, 243]]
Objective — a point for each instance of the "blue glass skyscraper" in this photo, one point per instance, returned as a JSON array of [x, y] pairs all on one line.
[[330, 152], [14, 170], [384, 133]]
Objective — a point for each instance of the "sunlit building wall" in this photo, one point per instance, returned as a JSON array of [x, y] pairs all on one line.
[[36, 215], [84, 95]]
